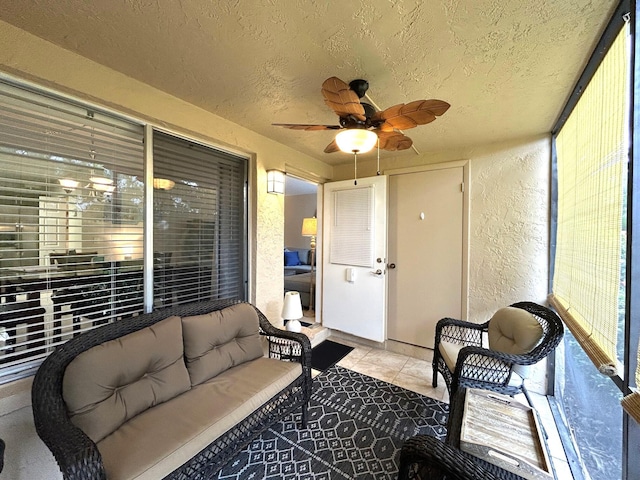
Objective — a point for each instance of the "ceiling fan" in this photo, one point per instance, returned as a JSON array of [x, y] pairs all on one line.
[[362, 120]]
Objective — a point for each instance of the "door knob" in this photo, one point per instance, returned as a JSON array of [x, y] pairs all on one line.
[[377, 272], [392, 266]]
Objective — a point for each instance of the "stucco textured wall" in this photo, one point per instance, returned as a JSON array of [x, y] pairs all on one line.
[[508, 234], [508, 218]]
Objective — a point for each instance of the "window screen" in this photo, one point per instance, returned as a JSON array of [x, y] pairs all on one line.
[[199, 227], [71, 204]]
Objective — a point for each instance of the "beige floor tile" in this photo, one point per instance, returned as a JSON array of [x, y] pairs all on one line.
[[382, 358], [418, 368], [380, 372], [348, 362], [419, 385], [358, 352]]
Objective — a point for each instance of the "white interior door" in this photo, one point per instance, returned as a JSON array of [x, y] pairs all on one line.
[[426, 246], [354, 257]]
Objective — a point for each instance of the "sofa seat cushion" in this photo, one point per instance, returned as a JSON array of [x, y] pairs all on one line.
[[161, 439], [115, 381], [219, 340]]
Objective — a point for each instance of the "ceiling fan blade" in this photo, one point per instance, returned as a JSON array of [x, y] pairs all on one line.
[[341, 99], [308, 127], [332, 147], [393, 141], [404, 116]]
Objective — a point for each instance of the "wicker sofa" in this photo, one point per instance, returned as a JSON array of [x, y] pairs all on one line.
[[175, 393]]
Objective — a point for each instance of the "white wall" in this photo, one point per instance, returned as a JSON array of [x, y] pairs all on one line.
[[509, 219], [296, 208]]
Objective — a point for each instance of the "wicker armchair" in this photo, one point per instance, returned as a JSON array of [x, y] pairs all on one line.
[[477, 366]]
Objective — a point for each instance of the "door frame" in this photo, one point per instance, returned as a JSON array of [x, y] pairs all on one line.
[[319, 181], [464, 301]]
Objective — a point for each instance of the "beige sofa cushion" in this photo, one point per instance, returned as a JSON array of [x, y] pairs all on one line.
[[161, 439], [220, 340], [514, 330], [115, 381]]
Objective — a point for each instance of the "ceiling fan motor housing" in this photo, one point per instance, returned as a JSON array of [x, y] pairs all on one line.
[[359, 86]]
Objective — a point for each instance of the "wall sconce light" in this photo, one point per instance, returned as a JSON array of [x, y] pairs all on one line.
[[275, 181], [163, 184]]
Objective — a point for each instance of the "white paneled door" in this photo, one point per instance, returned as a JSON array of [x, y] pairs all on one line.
[[354, 260]]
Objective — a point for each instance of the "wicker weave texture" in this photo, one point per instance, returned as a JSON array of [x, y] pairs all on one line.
[[79, 458], [479, 367]]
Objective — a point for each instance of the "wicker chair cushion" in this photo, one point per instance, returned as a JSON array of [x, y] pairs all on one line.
[[220, 340], [161, 439], [514, 331], [449, 352], [115, 381]]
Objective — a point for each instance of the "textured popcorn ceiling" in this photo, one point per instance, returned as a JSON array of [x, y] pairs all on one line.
[[506, 66]]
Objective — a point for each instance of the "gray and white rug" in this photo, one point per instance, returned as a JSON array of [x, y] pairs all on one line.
[[356, 427]]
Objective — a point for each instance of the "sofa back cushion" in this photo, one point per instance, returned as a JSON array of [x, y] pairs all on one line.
[[219, 340], [112, 382]]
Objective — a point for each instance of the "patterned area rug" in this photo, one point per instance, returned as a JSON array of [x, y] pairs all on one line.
[[356, 427]]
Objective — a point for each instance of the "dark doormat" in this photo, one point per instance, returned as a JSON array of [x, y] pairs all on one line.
[[327, 354]]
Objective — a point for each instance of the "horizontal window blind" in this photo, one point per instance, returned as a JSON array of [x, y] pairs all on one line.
[[592, 155], [199, 222], [71, 212], [352, 235]]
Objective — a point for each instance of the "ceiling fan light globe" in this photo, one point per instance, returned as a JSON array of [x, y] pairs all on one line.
[[356, 140]]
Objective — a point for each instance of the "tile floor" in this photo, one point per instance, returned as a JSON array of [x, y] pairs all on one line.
[[27, 458]]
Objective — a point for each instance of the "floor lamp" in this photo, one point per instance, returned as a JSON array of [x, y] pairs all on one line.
[[310, 229]]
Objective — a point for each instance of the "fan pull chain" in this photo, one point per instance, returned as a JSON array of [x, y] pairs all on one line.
[[378, 172], [355, 168]]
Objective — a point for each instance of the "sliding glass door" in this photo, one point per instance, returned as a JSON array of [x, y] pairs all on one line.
[[72, 198]]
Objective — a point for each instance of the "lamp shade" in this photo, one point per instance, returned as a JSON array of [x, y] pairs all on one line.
[[309, 227], [356, 140], [292, 308], [275, 181]]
